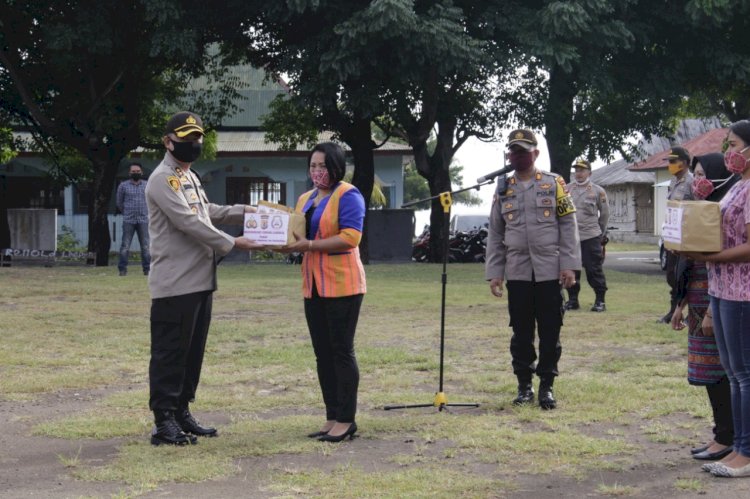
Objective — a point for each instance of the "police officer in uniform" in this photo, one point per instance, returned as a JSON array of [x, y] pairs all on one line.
[[680, 189], [533, 248], [184, 244], [592, 215]]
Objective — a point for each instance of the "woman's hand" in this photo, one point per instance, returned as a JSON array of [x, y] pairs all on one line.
[[677, 323], [708, 323], [300, 245]]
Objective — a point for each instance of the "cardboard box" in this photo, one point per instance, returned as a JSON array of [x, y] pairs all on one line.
[[273, 225], [692, 226]]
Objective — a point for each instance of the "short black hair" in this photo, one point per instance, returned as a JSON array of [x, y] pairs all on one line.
[[135, 163], [335, 160], [742, 130]]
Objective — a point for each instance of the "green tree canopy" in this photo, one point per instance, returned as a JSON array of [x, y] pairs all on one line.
[[101, 77]]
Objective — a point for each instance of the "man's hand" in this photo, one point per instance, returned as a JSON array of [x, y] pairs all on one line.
[[567, 278], [496, 287], [243, 243]]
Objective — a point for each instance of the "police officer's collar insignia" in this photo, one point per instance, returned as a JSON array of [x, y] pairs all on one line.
[[179, 171], [174, 183], [538, 176], [545, 186]]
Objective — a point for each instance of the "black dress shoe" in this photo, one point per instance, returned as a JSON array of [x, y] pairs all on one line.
[[713, 456], [525, 394], [666, 319], [546, 396], [317, 434], [698, 450], [167, 431], [338, 438], [190, 425]]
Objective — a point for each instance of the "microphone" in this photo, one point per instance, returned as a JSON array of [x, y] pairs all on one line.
[[492, 175]]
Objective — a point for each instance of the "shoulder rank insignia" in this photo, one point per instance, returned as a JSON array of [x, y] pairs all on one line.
[[565, 205], [173, 182], [538, 176]]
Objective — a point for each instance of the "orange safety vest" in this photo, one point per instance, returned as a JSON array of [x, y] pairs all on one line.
[[333, 274]]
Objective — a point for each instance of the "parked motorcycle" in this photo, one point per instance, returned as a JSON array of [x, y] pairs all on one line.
[[463, 246]]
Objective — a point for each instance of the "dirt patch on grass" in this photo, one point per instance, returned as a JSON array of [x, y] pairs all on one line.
[[38, 466]]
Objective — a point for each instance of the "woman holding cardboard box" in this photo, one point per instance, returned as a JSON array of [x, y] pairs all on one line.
[[333, 284], [729, 288], [711, 182]]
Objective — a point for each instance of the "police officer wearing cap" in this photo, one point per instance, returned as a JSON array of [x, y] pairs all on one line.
[[184, 243], [533, 248], [680, 189], [592, 215]]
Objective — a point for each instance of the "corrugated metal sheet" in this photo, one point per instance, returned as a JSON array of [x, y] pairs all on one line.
[[247, 141], [710, 141], [617, 173]]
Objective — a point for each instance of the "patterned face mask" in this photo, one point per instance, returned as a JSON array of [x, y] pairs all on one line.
[[702, 188], [735, 161], [320, 178]]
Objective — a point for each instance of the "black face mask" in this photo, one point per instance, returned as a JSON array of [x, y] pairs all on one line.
[[136, 176], [187, 152]]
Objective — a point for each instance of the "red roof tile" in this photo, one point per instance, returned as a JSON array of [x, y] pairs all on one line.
[[710, 141]]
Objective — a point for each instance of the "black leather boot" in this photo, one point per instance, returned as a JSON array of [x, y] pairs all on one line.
[[572, 304], [546, 396], [167, 430], [525, 392], [191, 426]]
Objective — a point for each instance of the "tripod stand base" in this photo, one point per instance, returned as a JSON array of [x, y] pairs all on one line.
[[441, 402]]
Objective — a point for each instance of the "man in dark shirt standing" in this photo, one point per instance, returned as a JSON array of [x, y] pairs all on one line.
[[131, 201]]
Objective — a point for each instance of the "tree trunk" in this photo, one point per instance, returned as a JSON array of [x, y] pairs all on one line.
[[558, 122], [359, 139], [105, 171]]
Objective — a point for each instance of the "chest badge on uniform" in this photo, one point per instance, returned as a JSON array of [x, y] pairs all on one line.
[[547, 200], [508, 206], [510, 216], [546, 213], [173, 182]]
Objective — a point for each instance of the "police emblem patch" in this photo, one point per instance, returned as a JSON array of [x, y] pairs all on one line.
[[173, 182]]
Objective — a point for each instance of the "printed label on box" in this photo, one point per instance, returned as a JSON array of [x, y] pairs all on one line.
[[267, 228], [672, 230]]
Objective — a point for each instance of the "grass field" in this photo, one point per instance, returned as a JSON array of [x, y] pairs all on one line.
[[622, 384]]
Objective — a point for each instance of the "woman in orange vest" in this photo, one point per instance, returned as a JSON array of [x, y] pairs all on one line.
[[333, 284]]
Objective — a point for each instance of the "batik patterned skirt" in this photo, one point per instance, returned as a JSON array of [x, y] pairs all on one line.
[[704, 366]]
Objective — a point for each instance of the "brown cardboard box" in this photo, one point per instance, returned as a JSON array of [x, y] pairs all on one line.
[[268, 225], [692, 226]]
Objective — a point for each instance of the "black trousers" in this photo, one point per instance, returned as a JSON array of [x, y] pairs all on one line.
[[592, 258], [179, 326], [332, 323], [721, 405], [672, 261], [533, 304]]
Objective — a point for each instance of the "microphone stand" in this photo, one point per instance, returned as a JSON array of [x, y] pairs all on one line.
[[441, 401]]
